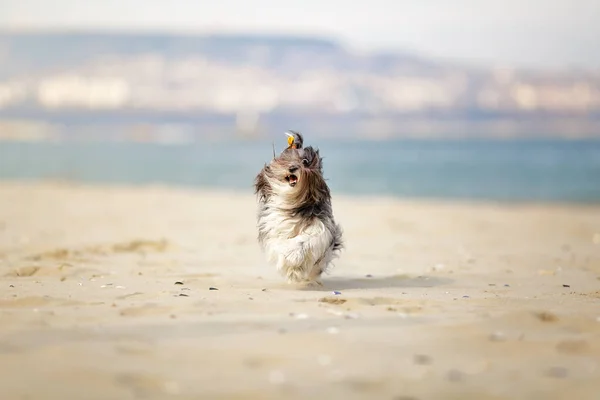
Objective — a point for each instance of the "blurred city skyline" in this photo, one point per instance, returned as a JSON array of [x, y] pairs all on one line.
[[380, 69], [533, 34]]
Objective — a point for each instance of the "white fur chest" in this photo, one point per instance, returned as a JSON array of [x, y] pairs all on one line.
[[292, 243], [277, 225]]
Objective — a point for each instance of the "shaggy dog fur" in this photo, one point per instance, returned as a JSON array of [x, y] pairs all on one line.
[[296, 228]]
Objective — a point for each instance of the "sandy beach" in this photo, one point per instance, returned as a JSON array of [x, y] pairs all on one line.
[[111, 292]]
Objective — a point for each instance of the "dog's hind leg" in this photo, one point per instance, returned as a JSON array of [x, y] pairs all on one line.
[[314, 274], [295, 275], [292, 271]]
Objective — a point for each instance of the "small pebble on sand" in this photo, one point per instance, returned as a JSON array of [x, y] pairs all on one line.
[[455, 375], [179, 283], [546, 316], [422, 359], [557, 372], [212, 288]]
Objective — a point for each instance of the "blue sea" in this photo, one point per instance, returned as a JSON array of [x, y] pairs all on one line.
[[497, 170]]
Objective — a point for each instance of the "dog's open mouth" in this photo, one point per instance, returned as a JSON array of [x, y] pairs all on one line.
[[292, 180]]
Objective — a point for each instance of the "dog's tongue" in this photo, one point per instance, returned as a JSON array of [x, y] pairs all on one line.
[[293, 180]]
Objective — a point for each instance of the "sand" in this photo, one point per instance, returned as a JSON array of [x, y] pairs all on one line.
[[105, 293]]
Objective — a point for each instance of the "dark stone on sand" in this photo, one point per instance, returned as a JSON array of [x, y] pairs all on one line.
[[557, 372], [455, 375], [422, 359]]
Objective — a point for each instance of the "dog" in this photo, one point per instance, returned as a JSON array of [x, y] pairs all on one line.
[[296, 227]]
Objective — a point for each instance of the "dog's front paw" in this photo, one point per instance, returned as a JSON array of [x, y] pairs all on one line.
[[295, 256], [313, 283]]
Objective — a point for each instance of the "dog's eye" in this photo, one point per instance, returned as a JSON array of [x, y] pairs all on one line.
[[304, 161]]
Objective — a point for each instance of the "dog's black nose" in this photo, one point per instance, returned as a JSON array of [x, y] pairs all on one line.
[[293, 169]]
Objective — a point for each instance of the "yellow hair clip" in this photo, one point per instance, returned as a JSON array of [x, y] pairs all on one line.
[[290, 139]]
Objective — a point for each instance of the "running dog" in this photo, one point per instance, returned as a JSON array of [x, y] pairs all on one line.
[[296, 227]]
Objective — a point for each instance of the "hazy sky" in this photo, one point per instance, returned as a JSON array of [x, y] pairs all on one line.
[[553, 33]]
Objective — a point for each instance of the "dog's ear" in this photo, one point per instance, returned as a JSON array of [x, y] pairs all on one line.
[[261, 185], [318, 156], [314, 159]]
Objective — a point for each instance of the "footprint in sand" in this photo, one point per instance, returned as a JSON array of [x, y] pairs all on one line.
[[58, 254], [135, 246], [390, 302], [374, 301], [143, 385], [31, 270], [142, 246], [62, 254], [332, 300]]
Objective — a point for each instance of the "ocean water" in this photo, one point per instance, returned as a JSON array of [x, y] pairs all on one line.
[[538, 170]]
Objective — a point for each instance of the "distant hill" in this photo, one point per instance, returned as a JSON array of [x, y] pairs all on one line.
[[37, 51], [102, 77]]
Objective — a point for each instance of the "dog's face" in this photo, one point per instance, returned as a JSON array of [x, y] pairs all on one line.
[[298, 168], [296, 174]]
